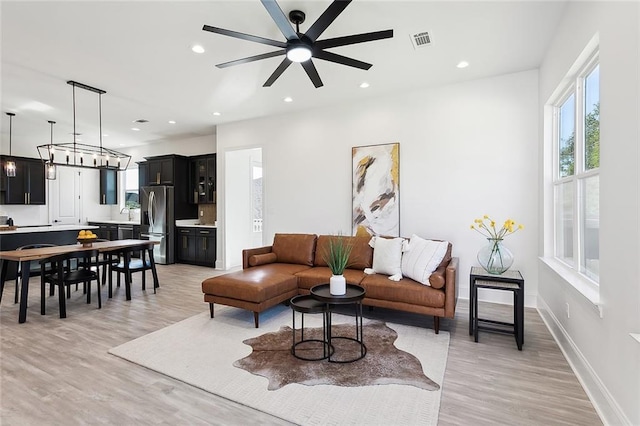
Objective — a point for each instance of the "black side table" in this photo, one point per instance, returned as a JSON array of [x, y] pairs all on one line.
[[309, 305], [353, 296], [511, 280]]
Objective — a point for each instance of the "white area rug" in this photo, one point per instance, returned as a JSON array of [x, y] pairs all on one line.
[[200, 351]]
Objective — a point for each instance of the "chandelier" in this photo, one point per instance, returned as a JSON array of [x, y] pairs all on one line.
[[78, 154]]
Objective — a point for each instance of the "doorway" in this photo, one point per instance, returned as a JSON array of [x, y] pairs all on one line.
[[243, 203]]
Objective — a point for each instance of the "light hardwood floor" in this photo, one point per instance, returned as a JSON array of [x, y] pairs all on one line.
[[58, 372]]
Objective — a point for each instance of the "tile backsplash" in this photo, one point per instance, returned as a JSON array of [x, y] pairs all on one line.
[[207, 213]]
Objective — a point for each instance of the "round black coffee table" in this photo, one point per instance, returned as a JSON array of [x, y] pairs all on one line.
[[307, 304], [353, 296]]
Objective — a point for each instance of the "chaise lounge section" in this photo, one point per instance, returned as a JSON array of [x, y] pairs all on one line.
[[294, 264]]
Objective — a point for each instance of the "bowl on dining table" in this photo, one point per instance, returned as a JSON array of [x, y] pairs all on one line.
[[87, 241]]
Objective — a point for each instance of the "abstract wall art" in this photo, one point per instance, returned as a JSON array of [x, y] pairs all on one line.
[[376, 190]]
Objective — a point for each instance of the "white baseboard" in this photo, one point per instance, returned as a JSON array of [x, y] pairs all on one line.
[[602, 400]]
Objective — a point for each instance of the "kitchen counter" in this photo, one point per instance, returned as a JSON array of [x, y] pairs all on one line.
[[54, 228], [193, 223], [116, 222]]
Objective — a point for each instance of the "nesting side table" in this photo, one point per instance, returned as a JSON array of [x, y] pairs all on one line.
[[306, 304], [353, 296], [511, 280]]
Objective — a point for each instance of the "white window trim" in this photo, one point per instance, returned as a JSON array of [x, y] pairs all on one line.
[[581, 283], [570, 274]]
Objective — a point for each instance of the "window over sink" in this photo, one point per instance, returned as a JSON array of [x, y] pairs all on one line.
[[131, 196]]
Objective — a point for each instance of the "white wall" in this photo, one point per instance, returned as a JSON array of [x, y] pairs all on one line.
[[605, 357], [26, 215], [188, 147], [465, 150]]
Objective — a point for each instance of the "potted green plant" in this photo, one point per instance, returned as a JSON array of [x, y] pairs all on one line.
[[337, 259]]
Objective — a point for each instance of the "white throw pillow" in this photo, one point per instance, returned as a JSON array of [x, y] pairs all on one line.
[[387, 257], [422, 257]]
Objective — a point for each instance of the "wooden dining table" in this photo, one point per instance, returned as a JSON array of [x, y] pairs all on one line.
[[26, 256]]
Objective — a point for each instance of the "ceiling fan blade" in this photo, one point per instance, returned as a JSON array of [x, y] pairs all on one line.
[[339, 59], [244, 36], [280, 19], [278, 72], [251, 59], [327, 17], [353, 39], [312, 72]]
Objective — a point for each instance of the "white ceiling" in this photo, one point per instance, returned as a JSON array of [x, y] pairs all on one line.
[[139, 52]]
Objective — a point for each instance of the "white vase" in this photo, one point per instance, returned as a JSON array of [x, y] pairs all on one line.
[[337, 285]]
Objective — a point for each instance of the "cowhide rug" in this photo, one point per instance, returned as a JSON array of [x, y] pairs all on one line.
[[383, 364]]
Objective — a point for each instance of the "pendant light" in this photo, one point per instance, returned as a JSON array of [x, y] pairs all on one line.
[[10, 166], [50, 167], [83, 155]]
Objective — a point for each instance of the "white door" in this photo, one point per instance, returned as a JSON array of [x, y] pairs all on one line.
[[64, 197]]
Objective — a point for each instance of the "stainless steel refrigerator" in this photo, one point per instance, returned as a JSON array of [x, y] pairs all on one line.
[[157, 221]]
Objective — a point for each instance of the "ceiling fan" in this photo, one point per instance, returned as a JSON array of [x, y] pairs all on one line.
[[301, 47]]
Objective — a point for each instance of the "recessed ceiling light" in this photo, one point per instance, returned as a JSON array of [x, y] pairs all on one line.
[[135, 129], [462, 64], [105, 135], [172, 122], [122, 144], [288, 99], [197, 48], [364, 85], [216, 113]]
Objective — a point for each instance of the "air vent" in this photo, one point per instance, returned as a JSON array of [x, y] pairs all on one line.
[[421, 40], [141, 120]]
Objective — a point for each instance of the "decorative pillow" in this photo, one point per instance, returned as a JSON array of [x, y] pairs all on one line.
[[387, 257], [422, 257], [262, 259], [294, 248]]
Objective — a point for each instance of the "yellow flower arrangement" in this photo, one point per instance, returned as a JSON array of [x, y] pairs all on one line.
[[495, 258], [487, 227]]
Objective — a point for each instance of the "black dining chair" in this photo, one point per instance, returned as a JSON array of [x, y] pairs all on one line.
[[105, 261], [33, 270], [142, 264], [64, 276]]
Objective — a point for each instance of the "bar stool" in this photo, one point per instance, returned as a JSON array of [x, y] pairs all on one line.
[[307, 304]]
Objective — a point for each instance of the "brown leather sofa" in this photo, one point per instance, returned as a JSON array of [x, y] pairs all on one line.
[[294, 263]]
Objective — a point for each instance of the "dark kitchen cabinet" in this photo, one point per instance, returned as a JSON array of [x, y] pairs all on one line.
[[107, 231], [206, 247], [161, 171], [204, 179], [186, 250], [143, 174], [196, 246], [108, 186], [171, 170], [28, 185]]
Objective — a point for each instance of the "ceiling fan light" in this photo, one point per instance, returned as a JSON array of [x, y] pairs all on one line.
[[299, 54]]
